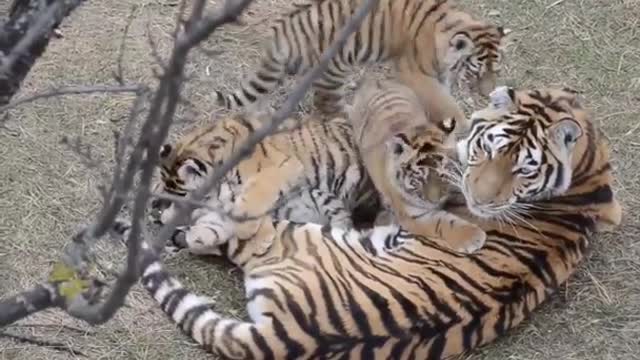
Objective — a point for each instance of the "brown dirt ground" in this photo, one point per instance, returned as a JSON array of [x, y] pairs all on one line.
[[46, 191]]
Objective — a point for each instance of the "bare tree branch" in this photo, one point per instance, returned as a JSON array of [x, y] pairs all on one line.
[[119, 74], [295, 96], [73, 90], [71, 285], [24, 38]]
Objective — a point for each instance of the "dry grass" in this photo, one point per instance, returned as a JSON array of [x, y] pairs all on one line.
[[45, 190]]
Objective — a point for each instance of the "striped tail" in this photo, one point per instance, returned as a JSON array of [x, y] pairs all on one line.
[[225, 337], [271, 72]]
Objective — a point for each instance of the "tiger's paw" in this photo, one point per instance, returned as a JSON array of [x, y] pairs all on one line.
[[191, 239], [468, 240], [120, 230]]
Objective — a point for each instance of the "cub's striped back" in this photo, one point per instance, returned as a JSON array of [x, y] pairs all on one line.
[[422, 37], [312, 173], [322, 292]]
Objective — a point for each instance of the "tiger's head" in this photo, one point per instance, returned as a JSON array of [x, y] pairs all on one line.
[[185, 165], [526, 146], [473, 52], [419, 162]]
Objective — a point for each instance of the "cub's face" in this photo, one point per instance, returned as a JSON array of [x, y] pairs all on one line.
[[519, 150], [179, 175], [420, 162]]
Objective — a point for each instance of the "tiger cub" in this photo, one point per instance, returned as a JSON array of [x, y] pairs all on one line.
[[322, 292], [311, 173], [433, 39], [411, 161]]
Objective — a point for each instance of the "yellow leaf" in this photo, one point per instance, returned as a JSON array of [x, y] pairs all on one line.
[[61, 272]]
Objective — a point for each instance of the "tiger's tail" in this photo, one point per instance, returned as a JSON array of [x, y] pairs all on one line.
[[272, 70], [222, 336]]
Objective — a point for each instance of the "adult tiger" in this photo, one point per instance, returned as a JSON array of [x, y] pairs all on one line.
[[320, 292], [432, 38]]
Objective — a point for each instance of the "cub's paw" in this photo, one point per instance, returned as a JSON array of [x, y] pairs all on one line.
[[469, 239], [177, 241], [192, 239], [120, 230]]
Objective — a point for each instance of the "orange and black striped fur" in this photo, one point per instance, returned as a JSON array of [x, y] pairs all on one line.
[[312, 173], [320, 292], [410, 159], [432, 39]]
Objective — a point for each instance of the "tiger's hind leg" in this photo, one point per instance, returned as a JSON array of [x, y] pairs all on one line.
[[270, 73], [329, 90], [332, 208]]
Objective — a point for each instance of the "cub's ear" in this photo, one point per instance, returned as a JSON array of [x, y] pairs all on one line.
[[398, 145], [566, 133], [193, 167], [448, 125], [460, 44], [503, 98], [506, 37], [165, 151]]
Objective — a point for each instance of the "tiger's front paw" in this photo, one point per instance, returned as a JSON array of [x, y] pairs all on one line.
[[468, 240], [192, 239]]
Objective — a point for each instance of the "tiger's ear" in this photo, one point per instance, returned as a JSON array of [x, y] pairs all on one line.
[[167, 154], [448, 125], [503, 98], [460, 45], [165, 151], [398, 147], [506, 37], [565, 133], [192, 167]]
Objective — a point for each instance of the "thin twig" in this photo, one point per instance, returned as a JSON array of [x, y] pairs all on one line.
[[119, 75], [56, 327], [72, 90], [46, 344]]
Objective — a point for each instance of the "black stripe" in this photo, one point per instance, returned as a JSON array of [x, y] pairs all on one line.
[[293, 348], [171, 301], [261, 343], [267, 293]]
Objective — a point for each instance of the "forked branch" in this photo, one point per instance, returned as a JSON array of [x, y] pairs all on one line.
[[83, 300]]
